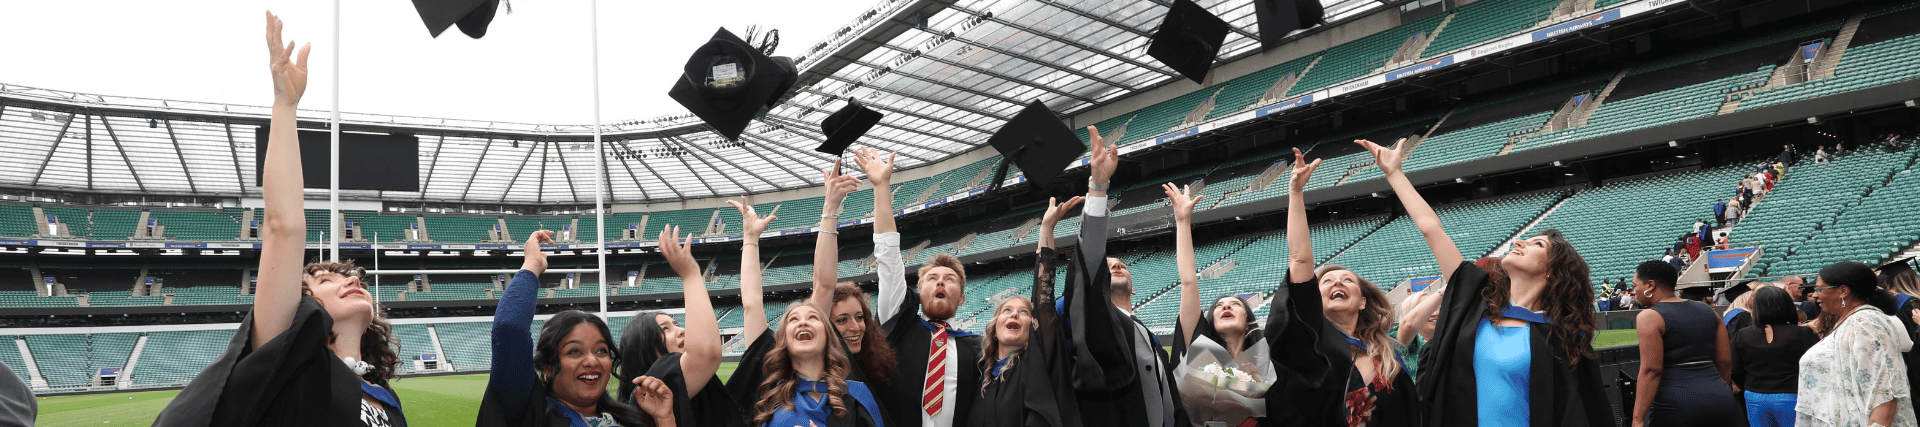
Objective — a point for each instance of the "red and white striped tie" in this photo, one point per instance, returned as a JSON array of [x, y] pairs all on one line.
[[935, 387]]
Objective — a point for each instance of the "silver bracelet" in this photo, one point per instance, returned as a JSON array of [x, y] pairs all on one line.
[[830, 231]]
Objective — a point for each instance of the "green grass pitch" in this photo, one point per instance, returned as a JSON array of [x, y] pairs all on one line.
[[447, 401]]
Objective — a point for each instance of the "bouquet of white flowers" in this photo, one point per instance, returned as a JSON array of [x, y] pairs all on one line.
[[1219, 388]]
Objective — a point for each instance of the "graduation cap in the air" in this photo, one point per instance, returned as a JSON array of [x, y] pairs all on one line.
[[1038, 142], [1731, 292], [1279, 17], [845, 126], [727, 82], [1189, 39], [1895, 268], [471, 15]]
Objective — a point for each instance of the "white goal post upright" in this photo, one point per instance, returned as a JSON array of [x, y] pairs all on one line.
[[333, 127], [599, 160]]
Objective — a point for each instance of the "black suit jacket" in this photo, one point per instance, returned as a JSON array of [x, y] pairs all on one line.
[[1106, 374], [911, 342], [1558, 395]]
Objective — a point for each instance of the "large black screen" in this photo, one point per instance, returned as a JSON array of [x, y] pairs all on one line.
[[368, 161]]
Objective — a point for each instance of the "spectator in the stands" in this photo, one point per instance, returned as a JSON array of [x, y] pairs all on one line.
[[1720, 212], [1720, 241], [1693, 248], [1673, 258], [1786, 155], [1839, 148], [1699, 226], [1820, 155], [1684, 356], [1854, 375], [1892, 142], [1733, 211], [1766, 358]]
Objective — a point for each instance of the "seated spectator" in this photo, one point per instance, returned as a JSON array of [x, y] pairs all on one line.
[[1820, 155], [1720, 242]]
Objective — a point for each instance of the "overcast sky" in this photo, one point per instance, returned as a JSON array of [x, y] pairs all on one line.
[[532, 67]]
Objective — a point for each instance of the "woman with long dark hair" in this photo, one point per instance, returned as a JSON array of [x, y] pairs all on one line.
[[1685, 359], [561, 377], [1221, 341], [668, 371], [1510, 352], [1355, 375], [314, 350], [1854, 376], [1766, 358]]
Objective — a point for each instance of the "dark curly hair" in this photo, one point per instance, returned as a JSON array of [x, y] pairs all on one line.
[[1567, 298], [378, 342]]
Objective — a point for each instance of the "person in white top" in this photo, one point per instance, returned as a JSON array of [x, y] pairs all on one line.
[[932, 354]]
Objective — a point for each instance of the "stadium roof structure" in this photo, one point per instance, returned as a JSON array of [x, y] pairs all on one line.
[[946, 73]]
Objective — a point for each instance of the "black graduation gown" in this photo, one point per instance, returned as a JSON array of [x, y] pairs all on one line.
[[1557, 396], [291, 380], [1031, 393], [744, 386], [1739, 321], [714, 407], [1905, 314], [1102, 366], [1313, 385], [911, 343]]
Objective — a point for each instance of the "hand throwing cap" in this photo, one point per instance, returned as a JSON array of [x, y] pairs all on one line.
[[1038, 142], [471, 15], [846, 126], [726, 83], [1280, 17], [1189, 39]]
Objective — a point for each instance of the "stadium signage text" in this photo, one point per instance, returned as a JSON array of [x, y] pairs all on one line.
[[1576, 25]]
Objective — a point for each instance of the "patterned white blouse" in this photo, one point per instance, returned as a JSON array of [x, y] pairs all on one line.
[[1853, 370]]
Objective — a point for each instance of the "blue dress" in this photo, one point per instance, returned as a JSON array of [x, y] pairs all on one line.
[[1502, 365]]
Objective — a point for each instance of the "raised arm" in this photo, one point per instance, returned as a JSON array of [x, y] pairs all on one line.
[[283, 244], [1388, 159], [826, 246], [1102, 160], [1183, 200], [702, 355], [751, 297], [1299, 243], [1043, 267], [891, 270], [513, 367]]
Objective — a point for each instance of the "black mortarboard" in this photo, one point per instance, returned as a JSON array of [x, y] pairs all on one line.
[[471, 15], [784, 81], [845, 126], [1279, 17], [1696, 293], [1893, 268], [1189, 39], [1731, 292], [1038, 142], [726, 83]]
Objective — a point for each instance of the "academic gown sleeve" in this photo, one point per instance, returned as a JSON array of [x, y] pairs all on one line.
[[713, 407], [1028, 396], [1905, 314], [1306, 392], [291, 380]]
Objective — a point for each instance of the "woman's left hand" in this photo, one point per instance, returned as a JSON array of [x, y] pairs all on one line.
[[652, 395], [536, 261]]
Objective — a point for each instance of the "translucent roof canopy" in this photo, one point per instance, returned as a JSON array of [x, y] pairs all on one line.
[[946, 74]]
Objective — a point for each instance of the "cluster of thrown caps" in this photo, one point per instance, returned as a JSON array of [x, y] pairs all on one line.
[[727, 82]]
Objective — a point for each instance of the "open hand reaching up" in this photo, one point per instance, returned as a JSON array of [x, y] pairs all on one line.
[[1301, 171], [751, 223], [1388, 159], [679, 252], [1182, 200], [879, 171], [289, 76]]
